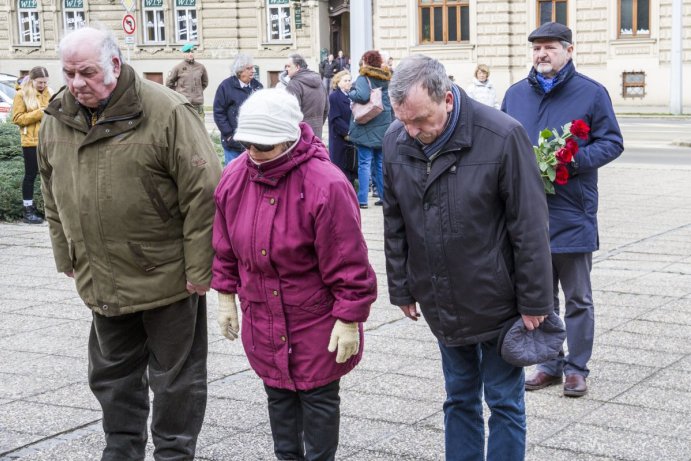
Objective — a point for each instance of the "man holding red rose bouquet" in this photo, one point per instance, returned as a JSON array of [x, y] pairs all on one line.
[[553, 95]]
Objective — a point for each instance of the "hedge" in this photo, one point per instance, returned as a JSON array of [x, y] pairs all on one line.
[[12, 174]]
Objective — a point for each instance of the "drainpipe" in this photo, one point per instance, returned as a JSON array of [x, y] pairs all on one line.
[[675, 89]]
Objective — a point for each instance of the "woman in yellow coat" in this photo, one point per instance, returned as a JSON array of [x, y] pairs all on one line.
[[29, 103]]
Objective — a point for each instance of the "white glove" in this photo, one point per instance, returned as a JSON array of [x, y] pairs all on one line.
[[228, 316], [346, 337]]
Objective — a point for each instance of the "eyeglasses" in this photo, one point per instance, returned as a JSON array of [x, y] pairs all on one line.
[[258, 147]]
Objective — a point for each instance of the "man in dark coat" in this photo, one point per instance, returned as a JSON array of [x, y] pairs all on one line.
[[466, 237], [552, 95], [327, 69], [230, 95], [306, 85]]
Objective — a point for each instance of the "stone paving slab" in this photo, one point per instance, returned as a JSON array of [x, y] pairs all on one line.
[[638, 406]]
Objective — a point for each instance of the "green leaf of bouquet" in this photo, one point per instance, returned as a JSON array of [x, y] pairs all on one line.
[[552, 173], [549, 187], [546, 133]]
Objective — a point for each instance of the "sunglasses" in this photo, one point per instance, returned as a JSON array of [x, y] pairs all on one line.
[[258, 147]]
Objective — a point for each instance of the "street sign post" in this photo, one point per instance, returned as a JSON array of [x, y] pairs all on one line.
[[129, 26]]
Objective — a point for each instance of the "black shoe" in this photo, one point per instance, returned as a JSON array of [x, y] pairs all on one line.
[[379, 203], [30, 216], [363, 206]]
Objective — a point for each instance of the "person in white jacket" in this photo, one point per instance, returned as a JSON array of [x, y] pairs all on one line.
[[482, 89]]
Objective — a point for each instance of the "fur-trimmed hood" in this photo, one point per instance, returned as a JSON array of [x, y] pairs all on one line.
[[375, 72]]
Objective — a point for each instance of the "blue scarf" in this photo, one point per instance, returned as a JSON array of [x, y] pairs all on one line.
[[548, 83], [432, 149]]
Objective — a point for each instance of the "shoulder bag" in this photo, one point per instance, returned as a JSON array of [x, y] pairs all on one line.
[[363, 113]]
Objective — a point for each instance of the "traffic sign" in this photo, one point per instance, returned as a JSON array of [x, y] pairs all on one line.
[[129, 40], [128, 24]]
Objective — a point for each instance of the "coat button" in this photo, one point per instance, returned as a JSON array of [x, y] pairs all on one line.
[[107, 130], [104, 307], [272, 201], [283, 338], [263, 252], [426, 206], [275, 293]]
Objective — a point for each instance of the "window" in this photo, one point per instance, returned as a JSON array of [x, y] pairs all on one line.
[[154, 25], [634, 18], [73, 14], [633, 84], [186, 20], [29, 25], [278, 20], [551, 11], [443, 21]]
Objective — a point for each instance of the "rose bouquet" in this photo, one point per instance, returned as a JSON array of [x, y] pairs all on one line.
[[555, 151]]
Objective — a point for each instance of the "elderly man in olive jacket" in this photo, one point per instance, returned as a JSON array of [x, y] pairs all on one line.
[[128, 174]]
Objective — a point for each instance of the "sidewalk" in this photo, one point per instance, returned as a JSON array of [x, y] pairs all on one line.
[[638, 406]]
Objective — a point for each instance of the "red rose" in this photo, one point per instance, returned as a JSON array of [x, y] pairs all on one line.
[[580, 129], [571, 145], [562, 174], [564, 155]]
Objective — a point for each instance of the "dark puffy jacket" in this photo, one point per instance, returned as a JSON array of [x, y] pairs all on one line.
[[466, 234], [371, 134], [306, 85], [229, 97], [573, 209]]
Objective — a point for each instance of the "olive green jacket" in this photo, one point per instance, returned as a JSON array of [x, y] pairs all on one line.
[[129, 201]]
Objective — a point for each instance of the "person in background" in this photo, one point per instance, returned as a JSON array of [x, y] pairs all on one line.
[[552, 95], [190, 79], [288, 242], [27, 111], [342, 62], [231, 93], [327, 68], [482, 90], [128, 173], [466, 238], [368, 137], [307, 87], [339, 122]]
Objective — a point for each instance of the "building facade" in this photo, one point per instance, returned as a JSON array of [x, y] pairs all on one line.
[[625, 44]]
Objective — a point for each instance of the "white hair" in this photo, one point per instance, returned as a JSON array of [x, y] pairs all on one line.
[[100, 37]]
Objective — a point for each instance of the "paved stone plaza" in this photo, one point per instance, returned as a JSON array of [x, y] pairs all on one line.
[[638, 406]]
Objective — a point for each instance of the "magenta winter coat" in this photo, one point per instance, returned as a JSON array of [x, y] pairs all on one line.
[[288, 242]]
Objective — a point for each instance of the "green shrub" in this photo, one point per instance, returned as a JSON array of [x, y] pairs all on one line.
[[11, 175]]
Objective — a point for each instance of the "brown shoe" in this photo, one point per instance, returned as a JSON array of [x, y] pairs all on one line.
[[575, 386], [540, 380]]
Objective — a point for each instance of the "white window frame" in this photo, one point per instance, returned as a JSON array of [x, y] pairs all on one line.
[[33, 29], [70, 14], [189, 8], [158, 15], [280, 8]]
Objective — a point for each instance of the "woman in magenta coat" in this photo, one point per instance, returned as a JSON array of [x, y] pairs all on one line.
[[288, 242]]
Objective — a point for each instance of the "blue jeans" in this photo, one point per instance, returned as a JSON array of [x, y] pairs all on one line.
[[466, 370], [230, 155], [369, 159]]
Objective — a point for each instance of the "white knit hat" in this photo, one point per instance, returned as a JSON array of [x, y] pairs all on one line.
[[269, 117]]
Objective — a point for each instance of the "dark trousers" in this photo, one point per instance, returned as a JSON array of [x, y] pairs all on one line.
[[170, 341], [30, 170], [305, 424]]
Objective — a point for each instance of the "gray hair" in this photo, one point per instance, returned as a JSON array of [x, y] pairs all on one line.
[[416, 70], [241, 61], [106, 42], [298, 60]]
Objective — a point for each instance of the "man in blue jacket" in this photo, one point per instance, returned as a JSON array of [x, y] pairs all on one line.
[[553, 95]]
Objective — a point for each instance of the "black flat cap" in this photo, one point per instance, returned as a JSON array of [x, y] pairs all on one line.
[[551, 30]]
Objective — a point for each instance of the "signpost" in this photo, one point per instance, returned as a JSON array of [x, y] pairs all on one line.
[[129, 25]]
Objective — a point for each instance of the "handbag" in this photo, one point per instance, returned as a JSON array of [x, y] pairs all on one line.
[[350, 154], [363, 113]]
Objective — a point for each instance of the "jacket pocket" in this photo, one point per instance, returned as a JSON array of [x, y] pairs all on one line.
[[154, 196], [150, 256]]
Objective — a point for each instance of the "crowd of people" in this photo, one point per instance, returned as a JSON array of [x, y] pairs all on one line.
[[146, 220]]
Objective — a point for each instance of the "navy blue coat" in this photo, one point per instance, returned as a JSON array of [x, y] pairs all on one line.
[[573, 209], [339, 121], [371, 134], [229, 97]]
